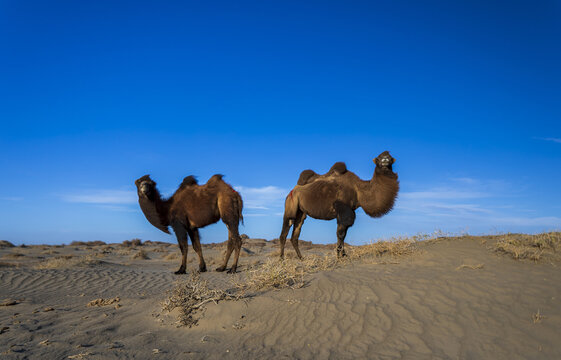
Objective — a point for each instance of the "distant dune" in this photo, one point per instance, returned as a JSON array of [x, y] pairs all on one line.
[[493, 297]]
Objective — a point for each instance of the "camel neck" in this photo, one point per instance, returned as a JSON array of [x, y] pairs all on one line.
[[377, 196], [156, 210]]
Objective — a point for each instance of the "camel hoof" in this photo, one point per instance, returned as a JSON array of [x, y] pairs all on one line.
[[220, 269], [202, 269], [180, 271], [232, 271]]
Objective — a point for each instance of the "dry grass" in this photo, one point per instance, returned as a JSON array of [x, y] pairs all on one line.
[[67, 261], [14, 255], [142, 255], [537, 317], [190, 295], [172, 256], [394, 247], [532, 247], [472, 267], [103, 302]]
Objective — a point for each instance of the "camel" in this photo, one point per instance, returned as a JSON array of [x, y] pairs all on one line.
[[191, 207], [336, 195]]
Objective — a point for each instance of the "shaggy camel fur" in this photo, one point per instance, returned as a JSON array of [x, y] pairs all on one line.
[[336, 195], [191, 207]]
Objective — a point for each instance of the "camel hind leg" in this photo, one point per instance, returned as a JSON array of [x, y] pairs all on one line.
[[196, 241], [286, 224], [234, 243], [345, 219], [230, 215]]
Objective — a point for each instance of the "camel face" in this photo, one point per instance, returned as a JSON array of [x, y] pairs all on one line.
[[145, 187], [384, 160]]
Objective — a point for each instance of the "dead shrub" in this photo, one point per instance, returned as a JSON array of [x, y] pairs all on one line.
[[103, 302], [190, 295], [142, 255], [394, 247], [532, 247]]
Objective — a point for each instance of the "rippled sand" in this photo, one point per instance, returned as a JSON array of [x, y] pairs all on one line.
[[453, 298]]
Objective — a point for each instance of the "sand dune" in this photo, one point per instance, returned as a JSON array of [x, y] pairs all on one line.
[[452, 298]]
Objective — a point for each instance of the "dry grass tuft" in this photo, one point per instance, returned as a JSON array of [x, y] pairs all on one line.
[[103, 302], [133, 242], [393, 247], [473, 267], [533, 247], [14, 255], [67, 261], [190, 295], [537, 317], [172, 256], [143, 255], [88, 243]]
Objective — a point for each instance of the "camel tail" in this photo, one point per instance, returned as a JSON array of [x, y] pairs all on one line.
[[240, 207]]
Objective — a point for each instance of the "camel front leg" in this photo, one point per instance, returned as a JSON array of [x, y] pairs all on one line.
[[298, 222], [196, 241], [345, 219], [181, 235]]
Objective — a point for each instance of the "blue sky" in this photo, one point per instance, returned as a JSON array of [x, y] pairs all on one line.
[[464, 94]]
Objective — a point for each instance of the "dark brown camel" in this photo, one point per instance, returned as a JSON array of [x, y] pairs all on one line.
[[191, 207], [336, 195]]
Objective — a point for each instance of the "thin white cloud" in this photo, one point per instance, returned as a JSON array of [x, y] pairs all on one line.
[[113, 197], [11, 198], [443, 194], [262, 198], [556, 140]]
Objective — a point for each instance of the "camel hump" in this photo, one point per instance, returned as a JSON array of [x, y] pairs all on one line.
[[215, 179], [338, 168], [306, 177], [188, 181]]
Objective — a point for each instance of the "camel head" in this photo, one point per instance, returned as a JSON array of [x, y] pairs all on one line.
[[384, 160], [146, 187]]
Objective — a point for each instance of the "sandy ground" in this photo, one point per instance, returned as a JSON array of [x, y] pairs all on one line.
[[452, 299]]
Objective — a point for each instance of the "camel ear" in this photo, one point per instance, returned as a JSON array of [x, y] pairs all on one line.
[[393, 159], [375, 161]]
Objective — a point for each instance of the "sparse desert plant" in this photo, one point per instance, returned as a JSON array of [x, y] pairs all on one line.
[[13, 255], [103, 302], [67, 261], [172, 256], [88, 243], [533, 247], [190, 295], [141, 254], [392, 247]]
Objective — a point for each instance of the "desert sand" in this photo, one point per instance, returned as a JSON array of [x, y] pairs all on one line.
[[446, 298]]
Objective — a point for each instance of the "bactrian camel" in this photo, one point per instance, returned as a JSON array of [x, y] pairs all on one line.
[[191, 207], [336, 195]]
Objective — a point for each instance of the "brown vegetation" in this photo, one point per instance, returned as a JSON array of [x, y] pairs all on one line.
[[532, 247], [191, 294], [192, 207]]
